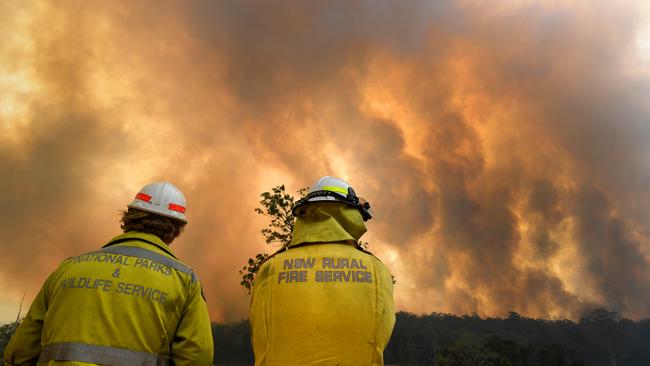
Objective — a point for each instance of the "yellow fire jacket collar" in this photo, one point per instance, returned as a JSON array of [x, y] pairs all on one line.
[[328, 222], [142, 237]]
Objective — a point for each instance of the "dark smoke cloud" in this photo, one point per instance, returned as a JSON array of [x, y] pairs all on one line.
[[614, 260], [503, 147]]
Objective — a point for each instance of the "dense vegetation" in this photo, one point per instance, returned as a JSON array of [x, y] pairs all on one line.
[[601, 338]]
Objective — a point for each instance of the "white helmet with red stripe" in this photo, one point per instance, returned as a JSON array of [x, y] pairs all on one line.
[[161, 198]]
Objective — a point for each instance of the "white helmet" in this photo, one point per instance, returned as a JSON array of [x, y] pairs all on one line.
[[161, 198], [337, 190]]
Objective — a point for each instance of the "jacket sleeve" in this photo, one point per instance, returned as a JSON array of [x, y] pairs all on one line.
[[259, 314], [386, 312], [24, 347], [192, 344]]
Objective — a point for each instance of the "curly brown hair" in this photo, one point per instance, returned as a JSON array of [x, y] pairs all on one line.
[[163, 227]]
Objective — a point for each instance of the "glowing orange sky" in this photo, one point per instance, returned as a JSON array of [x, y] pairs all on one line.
[[504, 147]]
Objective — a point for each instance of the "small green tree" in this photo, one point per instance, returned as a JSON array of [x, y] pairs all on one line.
[[6, 332], [276, 205]]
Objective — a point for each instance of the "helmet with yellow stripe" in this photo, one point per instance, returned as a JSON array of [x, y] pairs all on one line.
[[161, 198], [335, 190]]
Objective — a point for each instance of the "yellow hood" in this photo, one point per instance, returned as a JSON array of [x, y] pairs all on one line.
[[328, 222]]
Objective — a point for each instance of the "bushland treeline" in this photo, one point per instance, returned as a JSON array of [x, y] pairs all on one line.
[[601, 338]]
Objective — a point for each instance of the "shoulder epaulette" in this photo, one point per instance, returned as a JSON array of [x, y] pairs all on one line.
[[360, 248]]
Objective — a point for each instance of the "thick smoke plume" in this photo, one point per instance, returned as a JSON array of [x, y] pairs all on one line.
[[504, 147]]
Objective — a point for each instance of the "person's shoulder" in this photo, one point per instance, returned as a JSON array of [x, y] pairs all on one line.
[[364, 250], [269, 258], [368, 252], [85, 256]]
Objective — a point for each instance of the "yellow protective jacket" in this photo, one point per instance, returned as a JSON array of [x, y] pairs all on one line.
[[130, 303], [323, 301]]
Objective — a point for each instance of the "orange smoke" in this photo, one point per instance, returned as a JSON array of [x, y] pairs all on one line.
[[504, 149]]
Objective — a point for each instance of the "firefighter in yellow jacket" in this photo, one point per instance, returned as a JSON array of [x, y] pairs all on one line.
[[130, 303], [323, 300]]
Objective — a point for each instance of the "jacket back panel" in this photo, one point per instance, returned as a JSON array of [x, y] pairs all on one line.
[[322, 304], [95, 297]]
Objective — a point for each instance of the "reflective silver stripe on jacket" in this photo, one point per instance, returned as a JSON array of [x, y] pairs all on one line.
[[148, 254], [102, 355]]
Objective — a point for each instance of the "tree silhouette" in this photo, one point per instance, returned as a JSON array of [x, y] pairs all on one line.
[[277, 205]]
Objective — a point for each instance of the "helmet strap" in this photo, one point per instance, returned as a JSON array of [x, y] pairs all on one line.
[[351, 198]]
